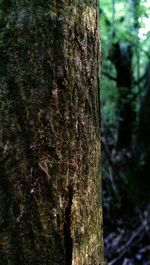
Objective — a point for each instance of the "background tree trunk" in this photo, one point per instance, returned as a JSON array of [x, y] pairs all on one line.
[[50, 197], [122, 59]]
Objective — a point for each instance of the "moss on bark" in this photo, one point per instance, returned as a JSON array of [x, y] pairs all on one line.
[[50, 140]]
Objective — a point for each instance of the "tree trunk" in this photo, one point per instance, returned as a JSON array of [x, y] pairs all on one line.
[[122, 59], [124, 84], [50, 197]]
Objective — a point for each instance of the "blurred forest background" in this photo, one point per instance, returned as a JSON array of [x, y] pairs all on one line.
[[125, 118]]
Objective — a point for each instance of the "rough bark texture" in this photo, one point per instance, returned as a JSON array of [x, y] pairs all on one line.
[[50, 201]]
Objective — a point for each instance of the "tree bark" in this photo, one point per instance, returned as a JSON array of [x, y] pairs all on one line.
[[50, 187]]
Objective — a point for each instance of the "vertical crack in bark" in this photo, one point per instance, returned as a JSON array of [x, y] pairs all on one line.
[[67, 227]]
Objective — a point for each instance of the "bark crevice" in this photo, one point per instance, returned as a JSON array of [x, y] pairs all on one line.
[[67, 227]]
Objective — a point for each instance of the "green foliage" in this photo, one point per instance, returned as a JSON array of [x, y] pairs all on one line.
[[124, 22], [109, 100]]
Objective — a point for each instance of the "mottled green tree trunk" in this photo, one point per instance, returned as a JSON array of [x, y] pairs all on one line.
[[50, 201]]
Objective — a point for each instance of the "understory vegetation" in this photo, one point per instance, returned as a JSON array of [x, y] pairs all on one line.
[[125, 121]]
